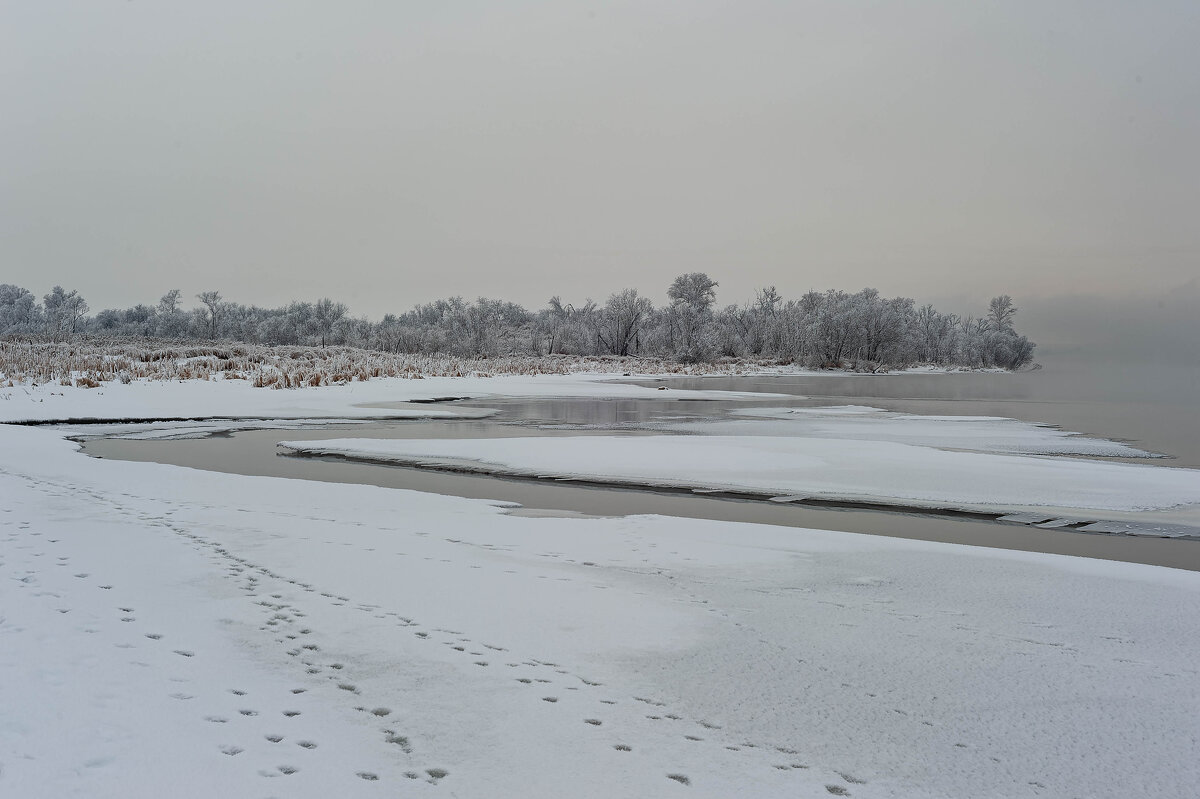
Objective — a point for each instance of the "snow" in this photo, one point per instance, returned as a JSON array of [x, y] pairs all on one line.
[[172, 632], [175, 431], [374, 399], [831, 469], [861, 423]]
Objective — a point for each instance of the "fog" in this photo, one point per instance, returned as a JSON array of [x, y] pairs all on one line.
[[385, 154], [1163, 329]]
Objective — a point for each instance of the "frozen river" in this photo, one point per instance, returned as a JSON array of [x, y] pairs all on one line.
[[1151, 415]]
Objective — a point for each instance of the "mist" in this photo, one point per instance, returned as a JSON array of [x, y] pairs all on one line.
[[1162, 328], [390, 154]]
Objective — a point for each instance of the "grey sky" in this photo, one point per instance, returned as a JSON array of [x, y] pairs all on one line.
[[385, 153]]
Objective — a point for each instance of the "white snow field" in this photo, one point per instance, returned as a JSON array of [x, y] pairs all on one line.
[[238, 399], [861, 423], [833, 469], [173, 632]]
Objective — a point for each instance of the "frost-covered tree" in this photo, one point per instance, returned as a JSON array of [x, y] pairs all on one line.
[[326, 315], [621, 322], [484, 328], [170, 321], [1001, 312], [733, 326], [212, 315], [752, 329], [836, 333], [999, 344], [169, 302], [689, 316], [137, 321], [696, 290], [883, 324], [20, 313], [933, 335], [555, 325], [863, 330], [387, 334], [63, 311]]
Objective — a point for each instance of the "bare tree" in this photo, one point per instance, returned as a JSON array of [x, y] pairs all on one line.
[[64, 310], [211, 301], [767, 301], [1000, 313], [820, 328], [755, 324], [169, 319], [327, 314], [622, 320], [168, 303], [689, 316]]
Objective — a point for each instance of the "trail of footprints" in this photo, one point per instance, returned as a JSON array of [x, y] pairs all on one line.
[[283, 617], [167, 648], [280, 615]]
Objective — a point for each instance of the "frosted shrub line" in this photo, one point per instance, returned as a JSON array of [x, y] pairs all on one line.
[[91, 363]]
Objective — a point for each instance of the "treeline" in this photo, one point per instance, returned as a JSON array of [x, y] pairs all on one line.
[[831, 329]]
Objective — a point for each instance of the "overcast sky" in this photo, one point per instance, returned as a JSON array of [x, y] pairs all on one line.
[[386, 153]]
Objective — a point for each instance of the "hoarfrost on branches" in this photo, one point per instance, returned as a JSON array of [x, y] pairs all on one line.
[[863, 331]]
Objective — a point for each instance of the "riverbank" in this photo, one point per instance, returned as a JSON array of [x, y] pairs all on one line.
[[169, 630], [239, 400], [170, 591], [92, 363]]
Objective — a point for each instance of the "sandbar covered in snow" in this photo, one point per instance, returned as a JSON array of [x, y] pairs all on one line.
[[975, 433], [830, 469]]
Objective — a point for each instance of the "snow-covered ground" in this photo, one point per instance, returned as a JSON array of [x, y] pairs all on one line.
[[861, 423], [165, 631], [375, 399]]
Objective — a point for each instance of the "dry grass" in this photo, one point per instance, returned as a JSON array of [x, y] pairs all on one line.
[[91, 363]]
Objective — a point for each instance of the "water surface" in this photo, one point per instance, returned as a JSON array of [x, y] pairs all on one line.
[[254, 453], [1155, 407]]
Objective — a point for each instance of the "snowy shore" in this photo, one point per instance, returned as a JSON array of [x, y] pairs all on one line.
[[165, 631], [375, 399]]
